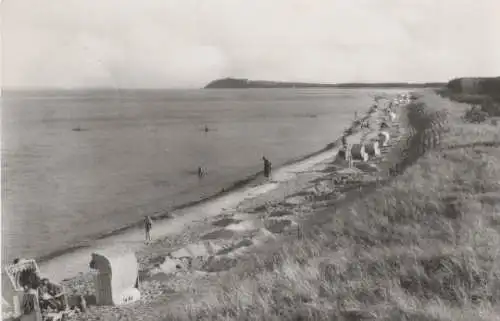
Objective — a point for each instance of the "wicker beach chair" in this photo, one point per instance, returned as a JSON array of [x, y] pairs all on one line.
[[14, 287], [19, 276], [16, 271]]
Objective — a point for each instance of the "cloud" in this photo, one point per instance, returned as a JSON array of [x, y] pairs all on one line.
[[186, 43]]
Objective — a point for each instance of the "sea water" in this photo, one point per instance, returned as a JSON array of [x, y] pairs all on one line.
[[77, 164]]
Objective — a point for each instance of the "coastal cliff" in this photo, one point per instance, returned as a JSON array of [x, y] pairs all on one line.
[[233, 83]]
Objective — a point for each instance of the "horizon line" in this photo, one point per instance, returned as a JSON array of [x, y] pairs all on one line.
[[41, 88]]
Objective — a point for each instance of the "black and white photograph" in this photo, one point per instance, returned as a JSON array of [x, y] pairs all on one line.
[[250, 160]]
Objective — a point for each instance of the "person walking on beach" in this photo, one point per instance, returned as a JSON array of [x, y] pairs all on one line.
[[267, 167], [148, 224]]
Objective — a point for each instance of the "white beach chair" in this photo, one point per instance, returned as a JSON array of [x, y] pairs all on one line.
[[357, 152], [117, 278]]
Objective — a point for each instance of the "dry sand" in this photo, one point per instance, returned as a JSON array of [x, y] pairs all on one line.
[[201, 242]]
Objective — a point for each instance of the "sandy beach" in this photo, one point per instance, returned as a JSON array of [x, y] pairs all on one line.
[[75, 262], [327, 239], [203, 241], [250, 161]]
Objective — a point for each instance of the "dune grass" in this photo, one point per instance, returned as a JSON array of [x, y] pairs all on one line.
[[423, 247]]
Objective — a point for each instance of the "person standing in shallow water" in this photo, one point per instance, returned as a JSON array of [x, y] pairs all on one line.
[[148, 224], [201, 172], [267, 167]]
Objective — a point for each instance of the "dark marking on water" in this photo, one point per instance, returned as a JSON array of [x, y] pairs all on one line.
[[79, 129]]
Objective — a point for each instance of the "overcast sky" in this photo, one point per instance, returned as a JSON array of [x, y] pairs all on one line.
[[186, 43]]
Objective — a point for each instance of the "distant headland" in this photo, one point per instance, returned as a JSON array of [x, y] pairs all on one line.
[[234, 83]]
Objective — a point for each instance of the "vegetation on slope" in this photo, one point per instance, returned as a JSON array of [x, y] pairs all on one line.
[[472, 90], [482, 86], [423, 247]]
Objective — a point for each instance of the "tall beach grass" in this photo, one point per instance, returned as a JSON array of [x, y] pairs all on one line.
[[424, 246]]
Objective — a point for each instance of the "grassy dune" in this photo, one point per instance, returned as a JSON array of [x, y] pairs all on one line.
[[423, 245]]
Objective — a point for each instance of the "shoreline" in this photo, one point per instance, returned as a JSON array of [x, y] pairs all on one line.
[[226, 236], [401, 242], [131, 236], [248, 209], [164, 215]]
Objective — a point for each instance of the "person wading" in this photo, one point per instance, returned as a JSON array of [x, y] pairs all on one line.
[[201, 172], [267, 167], [148, 224]]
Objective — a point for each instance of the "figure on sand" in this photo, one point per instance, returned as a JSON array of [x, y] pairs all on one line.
[[148, 224], [267, 167]]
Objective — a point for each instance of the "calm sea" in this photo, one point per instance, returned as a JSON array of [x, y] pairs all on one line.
[[77, 164]]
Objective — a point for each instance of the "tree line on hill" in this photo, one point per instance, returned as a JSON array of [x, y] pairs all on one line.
[[230, 83], [489, 86]]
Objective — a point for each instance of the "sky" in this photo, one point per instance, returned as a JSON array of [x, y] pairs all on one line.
[[187, 43]]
